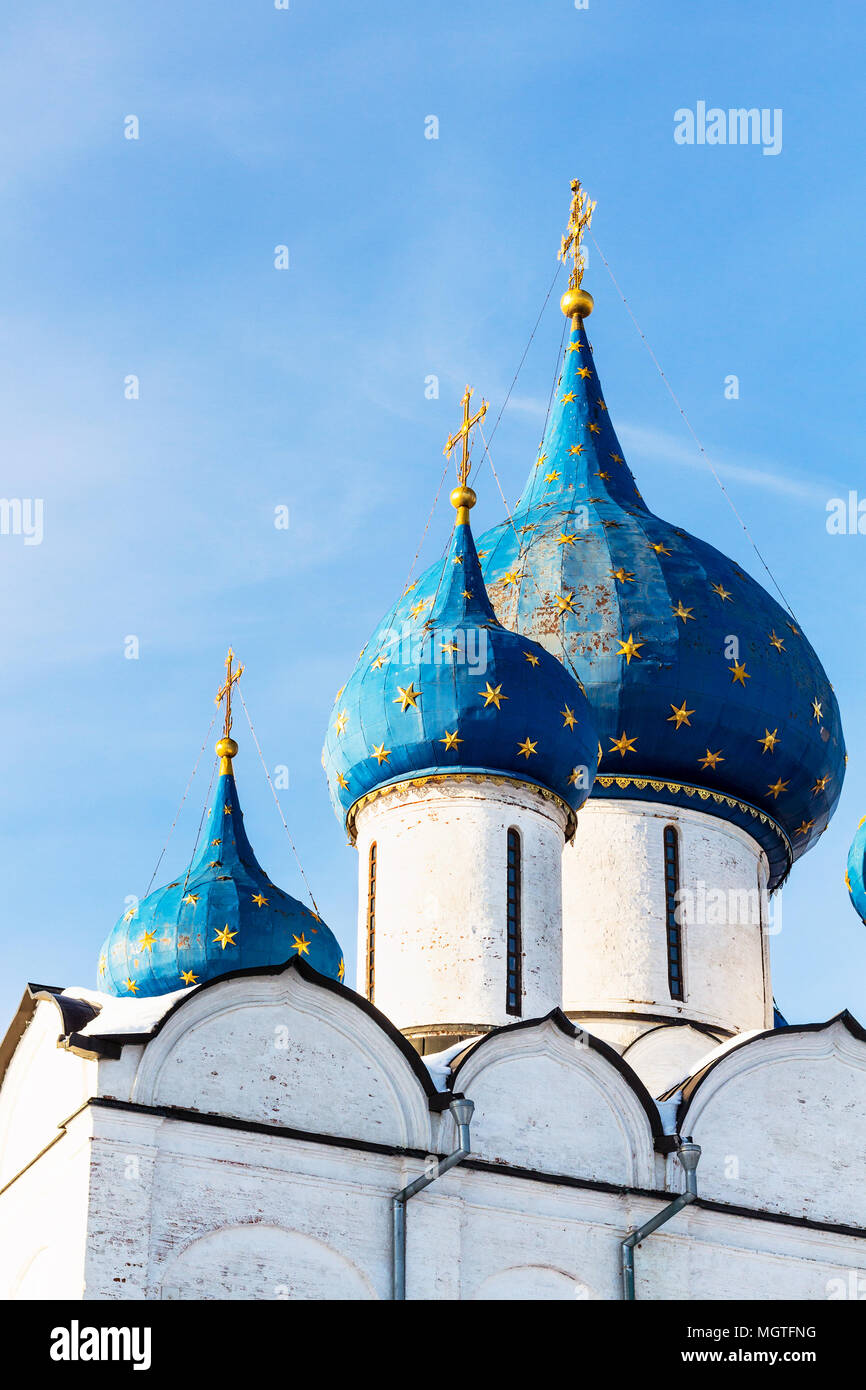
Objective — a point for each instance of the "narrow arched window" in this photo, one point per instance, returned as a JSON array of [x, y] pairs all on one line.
[[672, 926], [514, 943], [371, 924]]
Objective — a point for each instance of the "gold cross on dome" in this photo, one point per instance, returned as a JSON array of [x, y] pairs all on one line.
[[225, 691], [579, 221], [463, 434]]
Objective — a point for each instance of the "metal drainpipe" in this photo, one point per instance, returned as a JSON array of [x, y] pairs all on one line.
[[688, 1154], [462, 1111]]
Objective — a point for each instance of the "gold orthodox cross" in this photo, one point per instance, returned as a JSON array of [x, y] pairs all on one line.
[[579, 220], [463, 434], [225, 691]]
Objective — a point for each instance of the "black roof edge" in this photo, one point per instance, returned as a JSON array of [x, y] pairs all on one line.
[[565, 1025], [693, 1083]]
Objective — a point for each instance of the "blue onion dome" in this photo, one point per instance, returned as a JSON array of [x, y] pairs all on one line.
[[705, 691], [855, 878], [223, 914], [444, 689]]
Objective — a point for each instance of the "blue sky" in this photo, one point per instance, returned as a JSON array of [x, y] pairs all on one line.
[[305, 387]]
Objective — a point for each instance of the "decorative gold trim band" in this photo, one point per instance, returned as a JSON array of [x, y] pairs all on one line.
[[499, 779], [704, 793]]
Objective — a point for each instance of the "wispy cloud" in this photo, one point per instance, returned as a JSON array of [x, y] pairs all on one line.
[[641, 442]]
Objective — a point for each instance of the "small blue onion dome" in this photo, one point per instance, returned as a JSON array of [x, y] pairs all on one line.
[[222, 915], [644, 613], [446, 689], [855, 878]]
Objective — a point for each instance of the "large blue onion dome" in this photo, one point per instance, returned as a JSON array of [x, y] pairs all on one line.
[[444, 689], [223, 914], [855, 878], [705, 691]]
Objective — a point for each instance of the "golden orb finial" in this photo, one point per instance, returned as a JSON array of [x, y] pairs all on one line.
[[576, 303], [225, 749], [463, 499]]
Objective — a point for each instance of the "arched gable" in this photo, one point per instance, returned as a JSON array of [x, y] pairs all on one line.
[[551, 1097]]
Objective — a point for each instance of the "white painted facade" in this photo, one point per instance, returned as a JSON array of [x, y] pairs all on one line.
[[440, 900], [250, 1149], [615, 962]]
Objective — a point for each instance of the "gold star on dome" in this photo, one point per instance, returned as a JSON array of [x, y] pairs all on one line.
[[684, 613], [568, 398], [103, 963], [457, 560], [449, 647], [574, 347], [609, 525], [378, 663], [816, 710], [512, 577], [820, 785], [418, 608], [341, 970], [217, 841], [132, 986], [723, 593], [380, 753], [341, 782], [629, 649], [301, 944], [260, 900], [565, 538], [617, 458], [577, 449], [482, 554], [128, 916], [340, 722], [491, 696], [147, 940], [552, 477], [531, 658], [623, 744], [624, 576], [188, 977], [793, 629], [574, 776], [593, 427], [711, 759], [602, 474], [600, 403], [769, 740], [777, 788], [467, 593], [226, 937], [805, 827], [568, 720], [680, 716], [540, 460], [740, 674], [565, 603], [776, 641], [407, 697], [227, 810], [526, 748], [191, 898], [659, 548], [451, 741], [409, 587], [584, 372]]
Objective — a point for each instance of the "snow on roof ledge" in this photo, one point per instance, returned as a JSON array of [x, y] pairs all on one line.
[[122, 1016]]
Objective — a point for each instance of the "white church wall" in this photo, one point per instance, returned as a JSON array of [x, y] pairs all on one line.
[[664, 1056], [614, 932], [441, 896], [44, 1218], [42, 1087], [276, 1049], [548, 1101], [782, 1124]]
